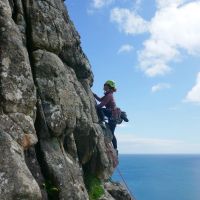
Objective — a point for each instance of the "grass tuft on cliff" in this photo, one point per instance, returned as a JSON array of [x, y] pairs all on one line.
[[94, 186]]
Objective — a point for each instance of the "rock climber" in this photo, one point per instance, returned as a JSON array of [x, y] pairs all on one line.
[[106, 107]]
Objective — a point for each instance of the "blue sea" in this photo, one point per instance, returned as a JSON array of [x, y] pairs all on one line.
[[161, 177]]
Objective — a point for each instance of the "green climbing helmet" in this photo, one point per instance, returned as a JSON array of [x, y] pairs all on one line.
[[111, 84]]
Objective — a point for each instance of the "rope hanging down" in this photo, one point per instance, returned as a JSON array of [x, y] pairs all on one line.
[[120, 174]]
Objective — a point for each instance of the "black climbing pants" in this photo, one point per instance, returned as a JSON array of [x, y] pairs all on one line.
[[102, 112]]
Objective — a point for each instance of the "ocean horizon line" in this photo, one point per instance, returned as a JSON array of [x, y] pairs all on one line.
[[163, 154]]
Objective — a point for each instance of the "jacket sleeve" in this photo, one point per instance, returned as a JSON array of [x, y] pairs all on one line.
[[104, 101], [98, 98]]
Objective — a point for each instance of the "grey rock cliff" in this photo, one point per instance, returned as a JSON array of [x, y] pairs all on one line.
[[49, 133]]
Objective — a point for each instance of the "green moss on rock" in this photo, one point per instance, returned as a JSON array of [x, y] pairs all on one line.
[[94, 186]]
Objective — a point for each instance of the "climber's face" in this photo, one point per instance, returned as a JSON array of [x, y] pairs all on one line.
[[106, 88]]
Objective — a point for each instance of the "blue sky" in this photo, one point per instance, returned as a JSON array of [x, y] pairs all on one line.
[[152, 51]]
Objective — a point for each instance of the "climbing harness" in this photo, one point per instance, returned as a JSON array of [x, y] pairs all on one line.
[[120, 174]]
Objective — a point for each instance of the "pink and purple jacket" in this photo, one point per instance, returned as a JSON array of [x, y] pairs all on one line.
[[107, 100]]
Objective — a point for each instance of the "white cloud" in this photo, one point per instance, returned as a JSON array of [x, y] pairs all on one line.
[[130, 138], [194, 94], [155, 67], [167, 3], [178, 27], [160, 86], [101, 3], [130, 143], [171, 29], [137, 5], [125, 48], [174, 27], [155, 55], [128, 21]]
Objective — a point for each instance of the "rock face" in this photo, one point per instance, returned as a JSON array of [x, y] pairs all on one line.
[[118, 191], [49, 135]]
